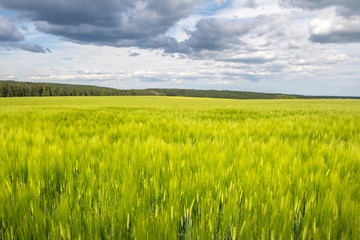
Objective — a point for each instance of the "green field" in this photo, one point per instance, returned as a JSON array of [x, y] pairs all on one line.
[[179, 168]]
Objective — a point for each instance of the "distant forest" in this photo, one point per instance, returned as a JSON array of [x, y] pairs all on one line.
[[219, 94], [28, 89]]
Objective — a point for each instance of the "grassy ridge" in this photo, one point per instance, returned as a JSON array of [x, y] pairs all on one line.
[[179, 168]]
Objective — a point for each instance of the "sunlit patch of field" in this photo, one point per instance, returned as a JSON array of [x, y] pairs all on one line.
[[179, 168]]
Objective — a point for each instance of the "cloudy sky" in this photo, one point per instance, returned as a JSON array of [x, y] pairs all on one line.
[[309, 47]]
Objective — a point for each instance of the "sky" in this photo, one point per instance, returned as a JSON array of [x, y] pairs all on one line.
[[308, 47]]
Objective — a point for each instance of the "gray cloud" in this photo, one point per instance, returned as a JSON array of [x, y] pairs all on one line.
[[250, 4], [11, 37], [8, 31], [225, 39], [141, 24], [131, 23], [134, 54], [102, 22], [345, 7], [336, 37], [24, 46], [250, 60], [210, 36], [33, 48], [214, 34]]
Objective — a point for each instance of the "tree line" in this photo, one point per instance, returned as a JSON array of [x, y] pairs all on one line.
[[237, 94], [216, 94], [27, 89]]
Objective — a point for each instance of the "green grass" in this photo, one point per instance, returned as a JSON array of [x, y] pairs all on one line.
[[179, 168]]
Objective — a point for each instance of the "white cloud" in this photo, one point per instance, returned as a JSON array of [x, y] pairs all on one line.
[[332, 28]]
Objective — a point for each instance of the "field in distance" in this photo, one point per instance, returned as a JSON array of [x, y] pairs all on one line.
[[179, 168]]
